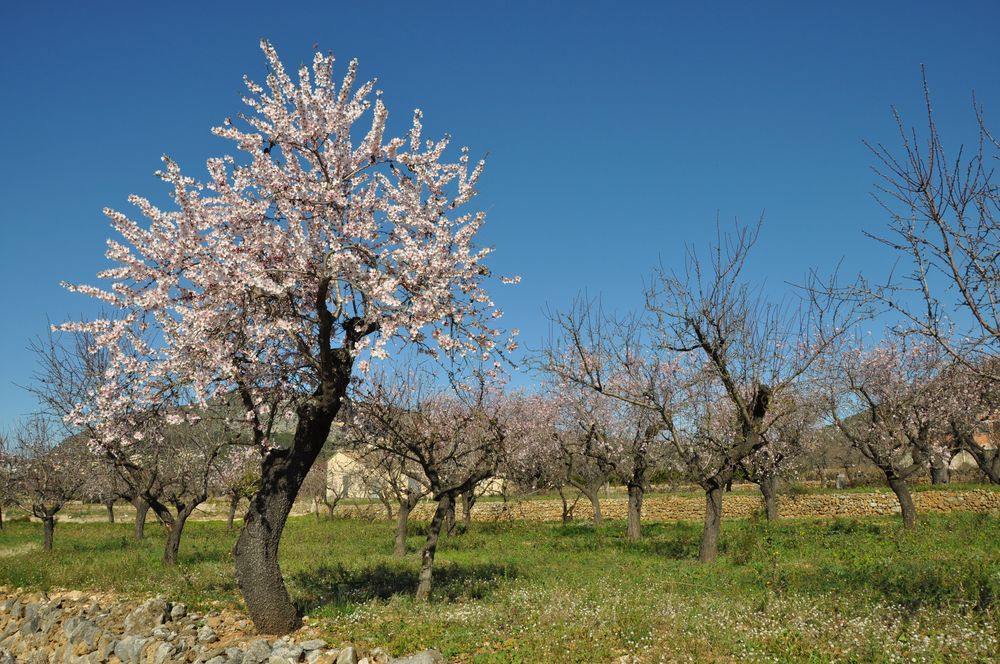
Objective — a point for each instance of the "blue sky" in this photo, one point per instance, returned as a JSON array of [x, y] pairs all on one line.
[[616, 132]]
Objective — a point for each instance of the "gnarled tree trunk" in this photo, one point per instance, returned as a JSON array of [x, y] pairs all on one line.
[[234, 503], [902, 491], [282, 472], [635, 495], [174, 532], [595, 504], [709, 549], [449, 519], [769, 490], [940, 473], [567, 507], [445, 505], [468, 501], [49, 526], [141, 510], [402, 521], [110, 507]]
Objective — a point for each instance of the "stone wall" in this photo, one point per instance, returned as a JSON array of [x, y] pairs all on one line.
[[660, 507], [86, 628]]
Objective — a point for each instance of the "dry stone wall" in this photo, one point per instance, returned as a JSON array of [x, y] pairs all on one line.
[[85, 628], [686, 508]]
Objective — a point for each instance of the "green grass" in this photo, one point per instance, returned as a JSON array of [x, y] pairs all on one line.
[[856, 590]]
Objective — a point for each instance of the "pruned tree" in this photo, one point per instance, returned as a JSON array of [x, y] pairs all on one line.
[[617, 393], [742, 350], [394, 479], [546, 458], [943, 223], [47, 472], [454, 435], [188, 456], [790, 438], [68, 375], [320, 246], [889, 403]]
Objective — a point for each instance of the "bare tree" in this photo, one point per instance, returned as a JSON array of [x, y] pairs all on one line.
[[47, 472], [617, 394], [746, 351], [454, 436], [943, 210], [396, 480]]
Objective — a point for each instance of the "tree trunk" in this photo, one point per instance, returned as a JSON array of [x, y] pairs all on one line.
[[566, 515], [468, 500], [713, 521], [940, 473], [315, 509], [282, 472], [445, 505], [1, 517], [634, 531], [234, 503], [110, 507], [902, 491], [402, 521], [49, 526], [769, 489], [174, 533], [141, 510], [595, 505], [449, 519]]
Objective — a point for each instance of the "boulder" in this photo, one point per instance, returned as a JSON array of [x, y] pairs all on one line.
[[147, 616]]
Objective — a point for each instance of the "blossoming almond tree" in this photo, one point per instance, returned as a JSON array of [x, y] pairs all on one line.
[[618, 396], [455, 435], [890, 404], [321, 243], [47, 472]]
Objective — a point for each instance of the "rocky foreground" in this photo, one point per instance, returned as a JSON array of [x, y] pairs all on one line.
[[86, 628]]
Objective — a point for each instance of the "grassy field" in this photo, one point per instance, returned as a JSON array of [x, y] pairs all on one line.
[[801, 590]]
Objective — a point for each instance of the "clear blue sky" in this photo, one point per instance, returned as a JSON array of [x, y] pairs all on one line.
[[616, 131]]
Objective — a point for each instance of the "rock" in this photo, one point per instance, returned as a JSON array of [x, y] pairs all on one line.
[[129, 650], [234, 655], [164, 633], [257, 652], [164, 654], [178, 611], [83, 631], [286, 651], [348, 656], [426, 657], [147, 616], [219, 659], [207, 635], [312, 644], [322, 657]]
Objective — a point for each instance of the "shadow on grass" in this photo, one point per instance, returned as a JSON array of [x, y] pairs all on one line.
[[673, 541], [341, 587]]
